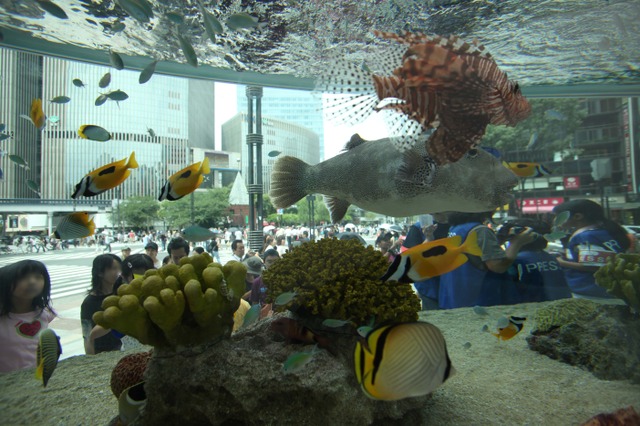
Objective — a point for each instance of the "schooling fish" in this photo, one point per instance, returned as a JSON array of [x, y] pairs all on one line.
[[75, 225], [435, 82], [432, 258], [105, 177], [47, 355], [511, 328], [78, 83], [296, 361], [185, 181], [37, 114], [526, 170], [375, 176], [252, 316], [402, 360]]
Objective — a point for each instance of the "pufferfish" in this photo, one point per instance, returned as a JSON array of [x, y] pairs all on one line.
[[435, 82], [185, 181], [402, 360]]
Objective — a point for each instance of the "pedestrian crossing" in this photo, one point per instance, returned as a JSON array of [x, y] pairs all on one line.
[[69, 280], [71, 254]]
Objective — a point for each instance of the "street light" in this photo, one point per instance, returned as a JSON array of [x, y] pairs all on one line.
[[311, 198]]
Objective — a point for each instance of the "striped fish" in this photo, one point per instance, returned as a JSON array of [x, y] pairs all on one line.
[[435, 82], [401, 361], [48, 354], [75, 225]]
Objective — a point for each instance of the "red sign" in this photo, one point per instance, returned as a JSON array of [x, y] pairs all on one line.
[[571, 182], [540, 205]]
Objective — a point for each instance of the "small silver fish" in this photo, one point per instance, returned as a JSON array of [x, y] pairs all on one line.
[[296, 361], [285, 298], [252, 316], [375, 176], [147, 72], [335, 323], [480, 310], [105, 80]]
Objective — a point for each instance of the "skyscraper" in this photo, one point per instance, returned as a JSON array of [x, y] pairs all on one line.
[[294, 106], [158, 121]]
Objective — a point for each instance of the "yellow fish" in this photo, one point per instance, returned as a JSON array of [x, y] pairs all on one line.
[[185, 181], [511, 329], [431, 259], [105, 177], [37, 114], [525, 170], [48, 353], [402, 360], [75, 225]]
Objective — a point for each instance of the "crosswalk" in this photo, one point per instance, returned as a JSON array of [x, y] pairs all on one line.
[[69, 280]]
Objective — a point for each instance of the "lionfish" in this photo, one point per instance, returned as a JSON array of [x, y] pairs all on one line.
[[436, 82]]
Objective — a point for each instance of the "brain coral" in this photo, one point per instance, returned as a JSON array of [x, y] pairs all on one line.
[[340, 279], [561, 312]]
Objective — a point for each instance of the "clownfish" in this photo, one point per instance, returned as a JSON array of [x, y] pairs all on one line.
[[432, 258], [47, 355], [75, 225], [402, 360], [513, 327], [525, 170], [105, 177], [37, 114], [185, 181]]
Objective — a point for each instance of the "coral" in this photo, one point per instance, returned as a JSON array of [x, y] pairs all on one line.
[[623, 416], [561, 312], [621, 277], [182, 305], [129, 371], [340, 279]]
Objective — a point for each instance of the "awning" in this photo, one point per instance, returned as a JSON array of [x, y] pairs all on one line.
[[537, 209]]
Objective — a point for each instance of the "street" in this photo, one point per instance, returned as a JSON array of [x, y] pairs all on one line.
[[70, 272]]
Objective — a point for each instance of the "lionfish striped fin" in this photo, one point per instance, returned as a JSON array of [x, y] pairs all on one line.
[[405, 131], [453, 43]]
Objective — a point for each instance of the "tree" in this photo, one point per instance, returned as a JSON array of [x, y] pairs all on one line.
[[551, 126], [209, 207], [137, 212]]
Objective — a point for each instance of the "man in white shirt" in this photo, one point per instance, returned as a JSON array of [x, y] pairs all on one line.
[[237, 247]]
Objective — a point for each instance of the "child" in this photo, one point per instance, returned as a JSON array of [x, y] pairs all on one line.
[[25, 309]]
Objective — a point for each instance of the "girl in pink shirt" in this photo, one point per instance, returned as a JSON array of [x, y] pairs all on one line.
[[25, 310]]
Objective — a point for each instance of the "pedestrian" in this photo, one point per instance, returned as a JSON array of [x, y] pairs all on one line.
[[177, 249], [214, 249], [163, 241], [479, 277], [126, 252], [151, 249], [25, 309], [133, 266], [237, 247], [593, 240], [104, 274]]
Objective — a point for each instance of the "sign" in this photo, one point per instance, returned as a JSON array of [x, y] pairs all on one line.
[[539, 205], [571, 182]]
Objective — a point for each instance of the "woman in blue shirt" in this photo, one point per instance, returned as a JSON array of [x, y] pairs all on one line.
[[594, 239]]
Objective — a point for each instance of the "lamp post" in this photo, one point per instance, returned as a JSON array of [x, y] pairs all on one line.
[[311, 198]]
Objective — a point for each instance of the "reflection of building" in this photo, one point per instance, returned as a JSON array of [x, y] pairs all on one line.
[[157, 122], [607, 136], [295, 106], [281, 136]]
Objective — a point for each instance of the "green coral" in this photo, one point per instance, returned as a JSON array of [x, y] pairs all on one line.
[[340, 279], [182, 305], [621, 277], [563, 311]]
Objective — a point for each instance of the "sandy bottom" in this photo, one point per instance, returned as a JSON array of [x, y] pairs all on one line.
[[496, 383]]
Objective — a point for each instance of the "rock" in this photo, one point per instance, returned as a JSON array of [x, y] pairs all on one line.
[[605, 341], [240, 381]]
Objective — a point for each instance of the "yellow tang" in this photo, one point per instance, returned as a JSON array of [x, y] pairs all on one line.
[[75, 225], [105, 177], [432, 258], [37, 114], [185, 181], [402, 360], [47, 355], [525, 170]]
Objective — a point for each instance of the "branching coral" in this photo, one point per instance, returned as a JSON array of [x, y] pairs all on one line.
[[340, 279], [176, 305], [621, 277]]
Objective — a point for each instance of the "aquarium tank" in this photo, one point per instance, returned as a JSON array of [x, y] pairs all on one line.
[[367, 120]]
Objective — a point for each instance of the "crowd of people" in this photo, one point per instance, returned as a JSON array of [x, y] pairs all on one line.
[[514, 267]]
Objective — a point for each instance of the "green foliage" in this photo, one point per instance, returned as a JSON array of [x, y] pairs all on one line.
[[137, 212], [209, 208], [553, 135]]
